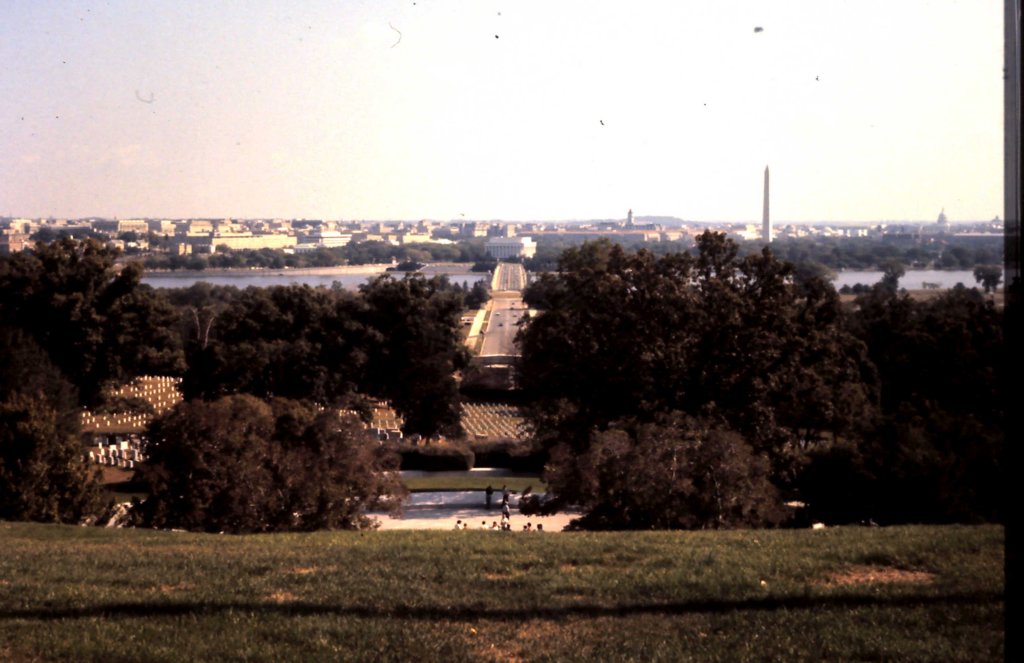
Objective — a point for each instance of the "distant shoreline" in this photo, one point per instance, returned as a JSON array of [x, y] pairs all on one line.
[[368, 269], [246, 271]]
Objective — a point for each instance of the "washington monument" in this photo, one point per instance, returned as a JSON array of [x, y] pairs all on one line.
[[766, 221]]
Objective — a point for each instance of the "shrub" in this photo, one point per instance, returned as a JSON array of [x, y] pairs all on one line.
[[679, 473], [515, 455], [435, 458], [239, 465]]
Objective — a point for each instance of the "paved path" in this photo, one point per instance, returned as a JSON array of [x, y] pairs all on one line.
[[445, 518], [442, 509]]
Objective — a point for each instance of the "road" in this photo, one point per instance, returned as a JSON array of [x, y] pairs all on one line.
[[508, 277], [506, 308], [499, 336]]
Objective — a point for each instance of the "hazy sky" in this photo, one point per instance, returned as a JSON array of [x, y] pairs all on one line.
[[515, 109]]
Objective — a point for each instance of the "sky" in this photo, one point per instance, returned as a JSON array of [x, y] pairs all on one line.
[[516, 110]]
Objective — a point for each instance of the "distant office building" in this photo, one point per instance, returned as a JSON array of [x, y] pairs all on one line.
[[234, 242], [195, 227], [161, 226], [511, 247], [410, 237], [471, 230], [766, 221], [116, 227], [12, 241], [324, 238]]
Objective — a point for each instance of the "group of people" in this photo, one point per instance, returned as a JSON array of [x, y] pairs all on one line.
[[506, 514], [505, 526]]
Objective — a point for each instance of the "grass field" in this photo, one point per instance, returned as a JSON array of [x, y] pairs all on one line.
[[900, 593]]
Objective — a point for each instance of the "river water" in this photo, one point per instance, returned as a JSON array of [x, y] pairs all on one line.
[[271, 277], [912, 280]]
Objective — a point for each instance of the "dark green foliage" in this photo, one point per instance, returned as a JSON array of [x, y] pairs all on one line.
[[927, 466], [288, 341], [891, 410], [679, 473], [361, 253], [96, 323], [936, 453], [947, 252], [478, 295], [804, 272], [415, 351], [632, 336], [892, 271], [946, 351], [515, 455], [43, 475], [989, 276], [434, 458], [238, 464], [396, 340], [485, 265]]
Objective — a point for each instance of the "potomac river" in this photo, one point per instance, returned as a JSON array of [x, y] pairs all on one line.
[[349, 276], [352, 276]]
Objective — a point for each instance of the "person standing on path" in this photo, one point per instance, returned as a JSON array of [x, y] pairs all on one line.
[[490, 495]]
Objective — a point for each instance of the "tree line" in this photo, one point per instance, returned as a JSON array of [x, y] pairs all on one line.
[[676, 390], [361, 253], [77, 324], [710, 390]]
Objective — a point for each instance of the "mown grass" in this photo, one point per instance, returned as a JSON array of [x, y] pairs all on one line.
[[88, 594], [441, 483]]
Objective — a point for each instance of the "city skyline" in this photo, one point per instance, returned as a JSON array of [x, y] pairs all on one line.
[[490, 111]]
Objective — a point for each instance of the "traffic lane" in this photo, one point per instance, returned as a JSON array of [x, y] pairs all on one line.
[[499, 337], [510, 276]]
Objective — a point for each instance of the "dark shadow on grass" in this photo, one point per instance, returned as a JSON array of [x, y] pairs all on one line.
[[470, 613]]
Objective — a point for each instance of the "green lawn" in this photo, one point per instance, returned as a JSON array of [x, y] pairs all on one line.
[[900, 593]]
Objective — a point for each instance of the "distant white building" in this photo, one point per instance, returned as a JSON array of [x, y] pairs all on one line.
[[511, 247], [325, 238]]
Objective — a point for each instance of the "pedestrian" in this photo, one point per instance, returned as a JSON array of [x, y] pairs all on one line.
[[490, 494], [505, 513], [458, 524]]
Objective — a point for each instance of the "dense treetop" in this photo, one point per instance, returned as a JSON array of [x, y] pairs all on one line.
[[627, 340]]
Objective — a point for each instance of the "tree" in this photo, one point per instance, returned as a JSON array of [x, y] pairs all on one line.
[[803, 272], [989, 276], [239, 464], [43, 475], [478, 296], [631, 336], [934, 453], [892, 271], [416, 350], [677, 473], [288, 341], [95, 322]]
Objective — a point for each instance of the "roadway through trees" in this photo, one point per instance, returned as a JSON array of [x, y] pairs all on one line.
[[506, 310]]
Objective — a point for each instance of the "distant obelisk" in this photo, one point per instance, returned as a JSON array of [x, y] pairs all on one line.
[[766, 221]]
